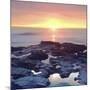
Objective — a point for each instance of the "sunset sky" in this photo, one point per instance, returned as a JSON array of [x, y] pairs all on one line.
[[46, 15]]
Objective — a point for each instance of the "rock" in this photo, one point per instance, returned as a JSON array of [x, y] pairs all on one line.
[[54, 61], [14, 62], [48, 43], [72, 48], [32, 65], [15, 86], [65, 69], [64, 74], [18, 72], [58, 66], [44, 73], [59, 52], [24, 62], [82, 77], [46, 69], [14, 49], [64, 84], [32, 82], [38, 55], [76, 67], [83, 60]]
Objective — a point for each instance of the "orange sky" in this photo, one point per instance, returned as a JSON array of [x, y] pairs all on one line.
[[46, 15]]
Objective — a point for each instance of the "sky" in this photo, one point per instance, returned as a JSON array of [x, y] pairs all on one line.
[[47, 15]]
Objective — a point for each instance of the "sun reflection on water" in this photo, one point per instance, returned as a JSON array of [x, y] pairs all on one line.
[[53, 35]]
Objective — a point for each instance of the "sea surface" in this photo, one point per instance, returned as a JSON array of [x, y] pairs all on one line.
[[32, 36]]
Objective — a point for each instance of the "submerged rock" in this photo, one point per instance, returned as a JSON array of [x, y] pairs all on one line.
[[32, 82]]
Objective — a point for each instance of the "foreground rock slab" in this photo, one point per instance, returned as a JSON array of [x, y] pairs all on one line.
[[32, 82]]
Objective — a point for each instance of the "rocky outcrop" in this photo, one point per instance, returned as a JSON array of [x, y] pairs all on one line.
[[32, 82], [18, 72], [38, 55], [30, 70]]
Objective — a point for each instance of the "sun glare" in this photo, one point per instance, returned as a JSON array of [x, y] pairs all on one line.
[[53, 24]]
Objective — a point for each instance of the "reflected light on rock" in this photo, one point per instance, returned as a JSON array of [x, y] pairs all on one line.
[[54, 77]]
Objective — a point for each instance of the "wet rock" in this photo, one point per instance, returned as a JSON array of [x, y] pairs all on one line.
[[14, 49], [18, 72], [31, 66], [72, 48], [82, 77], [14, 62], [48, 43], [59, 53], [32, 82], [65, 74], [54, 61], [38, 55], [83, 60], [15, 86], [76, 67], [46, 69], [44, 73], [24, 62]]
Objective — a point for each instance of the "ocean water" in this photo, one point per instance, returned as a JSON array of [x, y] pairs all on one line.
[[32, 36]]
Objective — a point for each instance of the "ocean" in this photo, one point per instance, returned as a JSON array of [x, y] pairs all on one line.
[[32, 36]]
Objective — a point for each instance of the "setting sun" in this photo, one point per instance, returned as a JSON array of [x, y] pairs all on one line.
[[36, 15], [53, 24]]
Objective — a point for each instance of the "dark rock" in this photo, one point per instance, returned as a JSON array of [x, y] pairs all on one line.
[[14, 49], [18, 72], [46, 69], [64, 74], [38, 55], [14, 62], [15, 86], [48, 43], [54, 61], [32, 82], [65, 70], [59, 52], [72, 48], [82, 77], [82, 60], [44, 73], [25, 62], [43, 66]]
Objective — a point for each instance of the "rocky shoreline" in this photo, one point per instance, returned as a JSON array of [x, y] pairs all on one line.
[[31, 66]]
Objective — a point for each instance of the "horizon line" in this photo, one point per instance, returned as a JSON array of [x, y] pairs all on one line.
[[47, 27]]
